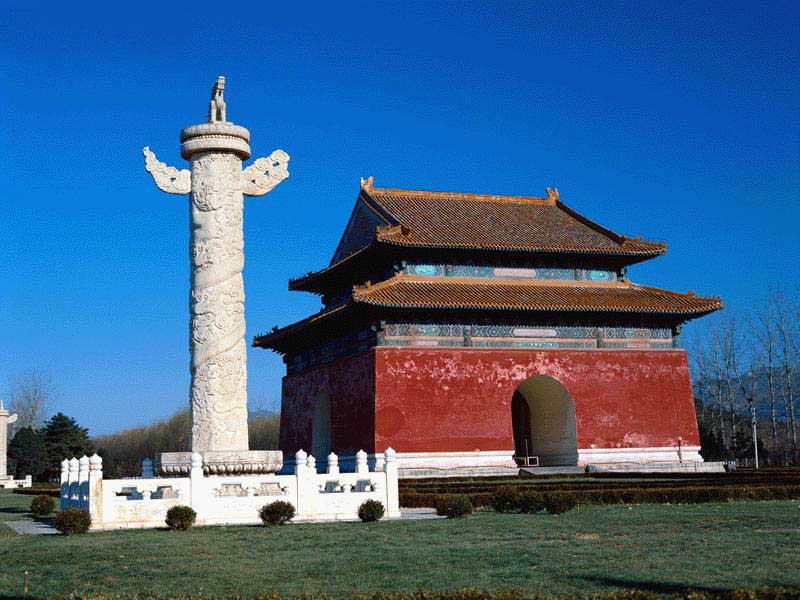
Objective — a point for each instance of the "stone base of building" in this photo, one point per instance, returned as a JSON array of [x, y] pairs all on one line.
[[9, 482], [660, 467], [666, 454], [417, 465], [221, 462]]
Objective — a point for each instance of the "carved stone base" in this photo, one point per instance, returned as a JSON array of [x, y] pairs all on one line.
[[221, 462]]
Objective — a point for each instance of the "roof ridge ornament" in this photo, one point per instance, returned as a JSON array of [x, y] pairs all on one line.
[[216, 109], [552, 194], [366, 184]]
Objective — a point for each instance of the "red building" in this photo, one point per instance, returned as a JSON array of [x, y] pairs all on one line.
[[467, 331]]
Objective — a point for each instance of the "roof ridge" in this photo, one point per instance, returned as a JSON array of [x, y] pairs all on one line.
[[550, 199]]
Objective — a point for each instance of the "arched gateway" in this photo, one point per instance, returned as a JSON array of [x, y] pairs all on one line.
[[543, 420]]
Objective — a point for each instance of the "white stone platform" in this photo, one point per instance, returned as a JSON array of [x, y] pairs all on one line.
[[492, 463], [228, 499], [10, 482], [675, 467]]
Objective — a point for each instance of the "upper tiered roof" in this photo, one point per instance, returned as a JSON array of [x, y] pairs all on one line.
[[451, 220]]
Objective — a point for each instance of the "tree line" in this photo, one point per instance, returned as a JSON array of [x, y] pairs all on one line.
[[746, 369], [38, 445]]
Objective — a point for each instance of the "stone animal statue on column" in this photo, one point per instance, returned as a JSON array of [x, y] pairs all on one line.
[[216, 110]]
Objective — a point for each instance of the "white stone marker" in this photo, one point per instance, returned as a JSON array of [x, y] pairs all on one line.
[[6, 419], [217, 183]]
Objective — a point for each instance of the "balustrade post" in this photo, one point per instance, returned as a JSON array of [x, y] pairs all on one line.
[[333, 464], [95, 491], [361, 462], [64, 484], [390, 470], [198, 490], [72, 478], [83, 482]]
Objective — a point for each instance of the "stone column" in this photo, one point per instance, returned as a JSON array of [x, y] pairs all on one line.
[[217, 183], [217, 326], [6, 419]]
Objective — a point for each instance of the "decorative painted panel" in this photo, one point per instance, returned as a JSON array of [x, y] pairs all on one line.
[[455, 335], [519, 272], [527, 336]]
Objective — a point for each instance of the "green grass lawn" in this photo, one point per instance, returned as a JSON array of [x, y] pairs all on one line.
[[656, 547], [14, 507]]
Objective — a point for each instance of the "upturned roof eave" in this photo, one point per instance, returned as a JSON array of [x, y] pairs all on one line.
[[273, 339], [306, 283]]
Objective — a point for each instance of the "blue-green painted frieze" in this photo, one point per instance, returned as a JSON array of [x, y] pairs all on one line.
[[524, 336], [483, 271], [449, 335]]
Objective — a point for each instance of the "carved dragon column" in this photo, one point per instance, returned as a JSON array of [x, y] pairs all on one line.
[[217, 183]]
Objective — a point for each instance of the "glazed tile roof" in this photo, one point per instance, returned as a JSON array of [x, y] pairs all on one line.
[[509, 294], [452, 220], [482, 221], [403, 291]]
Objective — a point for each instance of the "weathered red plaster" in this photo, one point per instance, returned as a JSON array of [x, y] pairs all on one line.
[[350, 384], [450, 400], [437, 400]]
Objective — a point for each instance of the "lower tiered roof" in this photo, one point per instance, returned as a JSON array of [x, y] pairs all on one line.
[[402, 291], [506, 294]]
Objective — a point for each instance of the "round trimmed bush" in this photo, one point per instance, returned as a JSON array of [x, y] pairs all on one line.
[[42, 505], [557, 504], [276, 513], [180, 518], [505, 500], [73, 521], [370, 510], [531, 502], [454, 506]]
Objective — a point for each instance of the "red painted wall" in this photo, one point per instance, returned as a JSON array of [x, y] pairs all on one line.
[[350, 384], [449, 400], [437, 400]]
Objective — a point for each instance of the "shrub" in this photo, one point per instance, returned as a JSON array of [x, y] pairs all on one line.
[[42, 505], [531, 502], [180, 518], [454, 506], [370, 510], [73, 521], [557, 504], [276, 513], [505, 500]]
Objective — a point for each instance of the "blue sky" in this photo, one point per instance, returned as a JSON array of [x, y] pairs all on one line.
[[678, 123]]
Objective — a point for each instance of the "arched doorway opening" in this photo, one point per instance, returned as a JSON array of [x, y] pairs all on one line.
[[321, 428], [543, 421]]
